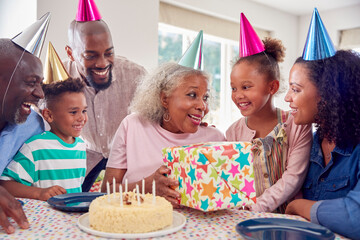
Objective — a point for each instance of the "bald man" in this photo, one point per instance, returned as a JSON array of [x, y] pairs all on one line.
[[110, 85], [19, 90]]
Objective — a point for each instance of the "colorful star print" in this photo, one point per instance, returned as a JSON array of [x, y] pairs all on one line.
[[205, 204], [229, 151], [234, 170], [209, 189], [249, 187], [189, 188], [213, 175], [191, 174]]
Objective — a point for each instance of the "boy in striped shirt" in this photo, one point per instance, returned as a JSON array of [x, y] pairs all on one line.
[[53, 162]]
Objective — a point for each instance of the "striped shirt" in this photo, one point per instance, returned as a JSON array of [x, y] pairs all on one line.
[[46, 160]]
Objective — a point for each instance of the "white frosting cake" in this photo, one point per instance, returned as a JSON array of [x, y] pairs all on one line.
[[107, 215]]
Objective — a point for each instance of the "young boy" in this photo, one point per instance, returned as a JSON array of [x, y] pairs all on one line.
[[53, 162]]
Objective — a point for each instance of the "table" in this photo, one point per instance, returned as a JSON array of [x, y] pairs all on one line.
[[49, 223]]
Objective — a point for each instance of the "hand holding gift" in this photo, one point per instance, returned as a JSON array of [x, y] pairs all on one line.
[[213, 176]]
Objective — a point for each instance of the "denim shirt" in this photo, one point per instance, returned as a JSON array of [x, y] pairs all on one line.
[[13, 136], [336, 188]]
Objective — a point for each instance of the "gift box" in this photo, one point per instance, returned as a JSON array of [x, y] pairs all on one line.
[[214, 175]]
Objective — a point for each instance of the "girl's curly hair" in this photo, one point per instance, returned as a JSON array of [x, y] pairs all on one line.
[[268, 61], [337, 80]]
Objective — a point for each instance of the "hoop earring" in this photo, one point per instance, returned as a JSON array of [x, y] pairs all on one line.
[[166, 117]]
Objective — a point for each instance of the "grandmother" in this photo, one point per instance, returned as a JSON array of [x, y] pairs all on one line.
[[167, 110]]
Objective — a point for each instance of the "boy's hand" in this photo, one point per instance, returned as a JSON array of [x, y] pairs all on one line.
[[46, 193], [10, 207]]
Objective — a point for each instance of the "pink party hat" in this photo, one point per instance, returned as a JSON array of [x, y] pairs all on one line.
[[87, 11], [250, 42]]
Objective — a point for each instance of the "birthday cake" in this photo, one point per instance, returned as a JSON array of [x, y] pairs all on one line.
[[107, 214]]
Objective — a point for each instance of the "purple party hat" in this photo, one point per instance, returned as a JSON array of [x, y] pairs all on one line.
[[318, 43], [32, 38], [250, 42], [87, 11]]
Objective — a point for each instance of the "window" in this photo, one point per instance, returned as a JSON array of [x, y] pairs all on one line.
[[219, 55], [350, 39], [179, 26]]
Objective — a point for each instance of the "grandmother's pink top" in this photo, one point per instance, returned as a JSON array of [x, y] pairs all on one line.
[[138, 143]]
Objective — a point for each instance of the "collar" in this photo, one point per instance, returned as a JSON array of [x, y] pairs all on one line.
[[316, 153]]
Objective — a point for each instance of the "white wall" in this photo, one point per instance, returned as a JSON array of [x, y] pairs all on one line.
[[334, 21], [133, 24], [16, 15]]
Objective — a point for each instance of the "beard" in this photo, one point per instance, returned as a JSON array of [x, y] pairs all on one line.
[[18, 119], [98, 87]]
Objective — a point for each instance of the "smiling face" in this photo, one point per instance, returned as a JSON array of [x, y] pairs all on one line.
[[24, 90], [67, 115], [302, 95], [93, 52], [251, 91], [187, 105]]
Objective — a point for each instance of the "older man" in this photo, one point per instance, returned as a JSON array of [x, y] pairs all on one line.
[[111, 82], [21, 74]]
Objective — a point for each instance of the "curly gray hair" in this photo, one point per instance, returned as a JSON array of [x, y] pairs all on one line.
[[166, 78]]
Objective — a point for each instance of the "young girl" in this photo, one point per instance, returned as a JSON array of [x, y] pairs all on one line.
[[281, 148]]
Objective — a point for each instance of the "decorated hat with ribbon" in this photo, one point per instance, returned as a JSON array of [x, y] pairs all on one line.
[[318, 43], [32, 38], [250, 42], [193, 57], [87, 11], [54, 68]]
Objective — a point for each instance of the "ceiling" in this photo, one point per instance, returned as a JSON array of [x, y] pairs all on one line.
[[302, 7]]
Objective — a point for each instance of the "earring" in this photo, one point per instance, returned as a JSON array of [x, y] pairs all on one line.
[[166, 117]]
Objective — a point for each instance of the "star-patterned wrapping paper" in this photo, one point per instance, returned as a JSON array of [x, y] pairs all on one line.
[[213, 176]]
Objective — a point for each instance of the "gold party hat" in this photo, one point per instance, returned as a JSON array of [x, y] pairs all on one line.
[[54, 68]]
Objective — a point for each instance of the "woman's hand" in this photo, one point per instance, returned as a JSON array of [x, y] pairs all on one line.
[[165, 186]]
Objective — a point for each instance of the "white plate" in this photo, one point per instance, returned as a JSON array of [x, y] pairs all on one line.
[[179, 222]]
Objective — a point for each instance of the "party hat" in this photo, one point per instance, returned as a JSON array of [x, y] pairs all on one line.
[[318, 43], [32, 38], [87, 11], [193, 57], [250, 42], [54, 68]]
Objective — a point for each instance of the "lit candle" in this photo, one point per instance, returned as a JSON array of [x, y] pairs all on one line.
[[108, 190], [114, 187], [137, 194], [143, 187], [121, 197], [153, 192], [126, 185]]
